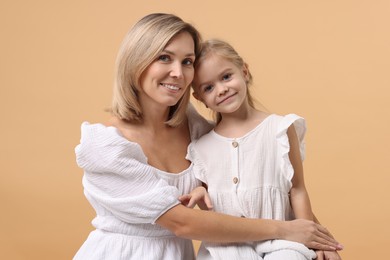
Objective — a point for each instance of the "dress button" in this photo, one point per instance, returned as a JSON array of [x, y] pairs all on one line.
[[235, 180], [235, 144]]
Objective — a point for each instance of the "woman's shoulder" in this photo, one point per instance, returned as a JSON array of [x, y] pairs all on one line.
[[100, 141]]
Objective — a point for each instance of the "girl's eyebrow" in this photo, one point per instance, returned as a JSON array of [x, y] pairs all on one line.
[[228, 69], [224, 71]]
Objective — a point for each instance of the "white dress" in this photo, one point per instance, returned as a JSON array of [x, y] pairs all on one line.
[[129, 195], [250, 177]]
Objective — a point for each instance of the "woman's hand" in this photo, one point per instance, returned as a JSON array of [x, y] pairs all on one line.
[[311, 235], [327, 255], [199, 196]]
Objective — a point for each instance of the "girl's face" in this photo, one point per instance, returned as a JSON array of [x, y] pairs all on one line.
[[220, 84], [166, 79]]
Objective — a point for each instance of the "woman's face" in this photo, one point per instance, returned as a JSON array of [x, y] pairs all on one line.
[[166, 79]]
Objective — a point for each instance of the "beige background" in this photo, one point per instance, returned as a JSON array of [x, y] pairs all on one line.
[[328, 61]]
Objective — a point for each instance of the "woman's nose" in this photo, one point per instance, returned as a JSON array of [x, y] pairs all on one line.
[[176, 70]]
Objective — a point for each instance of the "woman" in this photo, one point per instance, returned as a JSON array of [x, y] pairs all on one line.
[[135, 167]]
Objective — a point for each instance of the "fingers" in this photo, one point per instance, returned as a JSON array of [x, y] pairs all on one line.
[[184, 198], [207, 201], [324, 244], [321, 246], [331, 255], [324, 230], [326, 236], [320, 255], [192, 202]]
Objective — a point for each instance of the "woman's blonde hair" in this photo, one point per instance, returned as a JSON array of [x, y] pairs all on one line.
[[225, 51], [140, 47]]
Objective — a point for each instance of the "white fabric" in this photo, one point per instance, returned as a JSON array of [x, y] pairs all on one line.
[[129, 195], [264, 172]]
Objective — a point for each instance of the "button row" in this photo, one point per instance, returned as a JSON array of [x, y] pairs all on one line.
[[235, 145]]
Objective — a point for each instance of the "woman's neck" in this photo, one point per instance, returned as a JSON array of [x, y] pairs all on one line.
[[154, 117]]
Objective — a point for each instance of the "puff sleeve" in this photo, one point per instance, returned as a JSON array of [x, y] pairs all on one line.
[[117, 179]]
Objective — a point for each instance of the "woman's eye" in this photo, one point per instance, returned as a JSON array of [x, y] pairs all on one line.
[[227, 76], [164, 58], [188, 62]]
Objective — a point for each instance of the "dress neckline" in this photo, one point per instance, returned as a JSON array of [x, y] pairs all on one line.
[[258, 126], [113, 130]]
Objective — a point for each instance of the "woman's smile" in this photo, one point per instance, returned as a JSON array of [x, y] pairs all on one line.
[[170, 86]]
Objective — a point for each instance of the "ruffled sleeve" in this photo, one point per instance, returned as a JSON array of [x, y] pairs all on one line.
[[283, 142], [199, 168], [118, 179]]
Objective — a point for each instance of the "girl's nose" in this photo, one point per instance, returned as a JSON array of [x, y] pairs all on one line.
[[222, 89]]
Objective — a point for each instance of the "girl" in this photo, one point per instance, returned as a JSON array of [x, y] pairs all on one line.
[[135, 167], [251, 161]]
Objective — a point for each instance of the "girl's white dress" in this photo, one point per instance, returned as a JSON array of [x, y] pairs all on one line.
[[250, 177], [129, 195]]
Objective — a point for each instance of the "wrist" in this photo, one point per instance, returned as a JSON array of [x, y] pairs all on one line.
[[282, 230]]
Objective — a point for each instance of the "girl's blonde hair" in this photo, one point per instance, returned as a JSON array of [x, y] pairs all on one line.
[[140, 47], [226, 51]]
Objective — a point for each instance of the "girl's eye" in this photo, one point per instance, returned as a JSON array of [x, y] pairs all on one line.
[[227, 76], [208, 88], [188, 62], [164, 58]]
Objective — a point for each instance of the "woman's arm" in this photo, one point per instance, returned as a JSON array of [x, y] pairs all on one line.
[[216, 227]]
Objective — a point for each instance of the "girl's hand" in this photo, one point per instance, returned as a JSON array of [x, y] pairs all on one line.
[[199, 196], [311, 235], [327, 255]]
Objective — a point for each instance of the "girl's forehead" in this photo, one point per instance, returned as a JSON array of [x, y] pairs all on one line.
[[214, 63]]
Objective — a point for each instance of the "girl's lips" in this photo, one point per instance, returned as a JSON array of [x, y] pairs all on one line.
[[223, 100]]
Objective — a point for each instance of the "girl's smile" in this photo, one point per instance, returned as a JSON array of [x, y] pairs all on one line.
[[226, 99]]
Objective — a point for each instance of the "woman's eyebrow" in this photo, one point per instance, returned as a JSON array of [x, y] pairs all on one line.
[[172, 53]]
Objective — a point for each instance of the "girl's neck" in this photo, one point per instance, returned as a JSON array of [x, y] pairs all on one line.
[[239, 123]]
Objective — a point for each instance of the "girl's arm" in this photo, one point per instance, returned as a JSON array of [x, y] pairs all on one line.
[[299, 197], [199, 196], [215, 227]]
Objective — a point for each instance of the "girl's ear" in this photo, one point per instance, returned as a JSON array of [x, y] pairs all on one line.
[[196, 96], [245, 71]]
